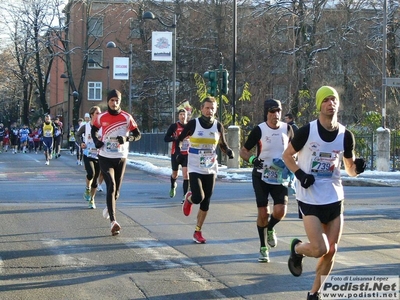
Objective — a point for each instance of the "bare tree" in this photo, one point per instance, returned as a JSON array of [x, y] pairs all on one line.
[[29, 26]]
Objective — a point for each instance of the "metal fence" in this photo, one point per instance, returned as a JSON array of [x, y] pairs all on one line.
[[366, 147], [153, 143]]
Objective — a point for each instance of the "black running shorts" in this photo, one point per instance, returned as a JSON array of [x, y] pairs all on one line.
[[262, 190], [325, 213]]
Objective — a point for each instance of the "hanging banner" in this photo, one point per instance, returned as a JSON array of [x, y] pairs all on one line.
[[121, 68], [161, 46]]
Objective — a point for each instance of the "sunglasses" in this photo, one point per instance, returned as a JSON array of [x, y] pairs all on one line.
[[274, 110]]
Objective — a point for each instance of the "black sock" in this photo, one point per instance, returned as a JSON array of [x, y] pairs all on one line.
[[272, 222], [261, 234], [185, 186], [173, 180]]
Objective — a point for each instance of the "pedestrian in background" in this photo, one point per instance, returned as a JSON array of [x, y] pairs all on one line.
[[321, 146], [289, 119], [178, 154], [118, 129], [206, 133], [270, 138]]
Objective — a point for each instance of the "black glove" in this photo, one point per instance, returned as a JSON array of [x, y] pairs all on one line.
[[360, 165], [306, 180], [121, 139], [230, 153], [257, 163], [99, 144], [135, 135]]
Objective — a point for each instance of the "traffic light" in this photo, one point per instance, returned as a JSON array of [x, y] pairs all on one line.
[[225, 82], [212, 83]]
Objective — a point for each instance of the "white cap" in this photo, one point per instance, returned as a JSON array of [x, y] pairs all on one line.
[[87, 115]]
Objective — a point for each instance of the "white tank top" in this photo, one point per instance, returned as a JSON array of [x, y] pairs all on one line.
[[273, 143], [90, 150], [323, 160], [202, 157]]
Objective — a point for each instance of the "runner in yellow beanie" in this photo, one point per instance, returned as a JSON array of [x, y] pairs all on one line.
[[322, 93]]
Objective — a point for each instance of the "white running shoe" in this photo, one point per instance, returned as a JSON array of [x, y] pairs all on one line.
[[264, 255], [92, 205], [272, 240], [99, 188], [47, 163], [106, 215], [115, 228]]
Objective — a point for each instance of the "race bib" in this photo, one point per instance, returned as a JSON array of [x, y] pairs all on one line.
[[92, 152], [270, 175], [47, 133], [185, 146], [207, 158], [112, 145], [323, 164]]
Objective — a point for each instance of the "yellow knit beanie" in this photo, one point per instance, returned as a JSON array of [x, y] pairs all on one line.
[[322, 93]]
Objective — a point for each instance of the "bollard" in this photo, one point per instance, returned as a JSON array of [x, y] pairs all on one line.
[[233, 140], [383, 149]]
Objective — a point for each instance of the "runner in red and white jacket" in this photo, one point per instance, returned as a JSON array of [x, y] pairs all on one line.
[[118, 129]]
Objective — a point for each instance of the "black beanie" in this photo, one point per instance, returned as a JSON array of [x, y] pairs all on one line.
[[113, 93], [271, 104]]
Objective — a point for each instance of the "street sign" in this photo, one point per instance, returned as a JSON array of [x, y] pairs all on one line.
[[393, 82]]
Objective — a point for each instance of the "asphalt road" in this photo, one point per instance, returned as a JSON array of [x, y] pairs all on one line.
[[53, 247]]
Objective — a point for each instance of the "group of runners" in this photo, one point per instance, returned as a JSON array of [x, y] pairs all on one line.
[[283, 156], [308, 159]]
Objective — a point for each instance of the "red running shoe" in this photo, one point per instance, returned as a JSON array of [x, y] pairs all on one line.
[[187, 205], [198, 238]]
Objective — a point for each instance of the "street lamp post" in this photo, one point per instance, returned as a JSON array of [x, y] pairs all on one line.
[[92, 61], [75, 94], [150, 16], [111, 44], [384, 59]]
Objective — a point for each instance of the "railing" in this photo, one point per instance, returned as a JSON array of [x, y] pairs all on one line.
[[153, 143]]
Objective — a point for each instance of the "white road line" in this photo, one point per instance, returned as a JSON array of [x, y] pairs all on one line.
[[160, 255], [56, 246], [1, 265]]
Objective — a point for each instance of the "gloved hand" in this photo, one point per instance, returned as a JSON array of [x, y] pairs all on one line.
[[306, 180], [230, 153], [99, 144], [135, 135], [360, 165], [121, 139], [256, 162]]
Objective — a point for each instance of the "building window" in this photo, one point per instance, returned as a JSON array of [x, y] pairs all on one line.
[[97, 56], [135, 29], [94, 91], [95, 27]]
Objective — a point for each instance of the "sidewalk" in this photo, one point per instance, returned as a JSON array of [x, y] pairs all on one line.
[[157, 164]]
